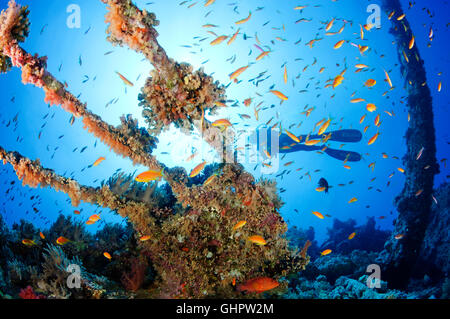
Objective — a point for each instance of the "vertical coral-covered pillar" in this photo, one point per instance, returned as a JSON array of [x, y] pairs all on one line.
[[400, 255]]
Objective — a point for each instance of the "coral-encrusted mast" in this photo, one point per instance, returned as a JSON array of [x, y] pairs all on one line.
[[399, 256], [173, 93], [192, 245]]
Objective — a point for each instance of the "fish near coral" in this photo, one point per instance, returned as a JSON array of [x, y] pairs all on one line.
[[150, 175], [222, 123], [258, 285], [197, 169], [209, 179], [124, 79], [98, 161], [28, 242], [239, 225], [62, 240], [258, 240], [144, 238]]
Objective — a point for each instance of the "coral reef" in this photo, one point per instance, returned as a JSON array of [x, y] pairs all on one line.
[[28, 293], [188, 227], [434, 256]]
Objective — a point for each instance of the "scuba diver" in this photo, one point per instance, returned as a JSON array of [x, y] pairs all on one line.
[[288, 145]]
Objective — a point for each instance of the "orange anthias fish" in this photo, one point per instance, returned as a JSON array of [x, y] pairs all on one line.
[[352, 200], [233, 37], [337, 81], [399, 236], [388, 79], [244, 20], [107, 255], [371, 107], [411, 42], [209, 180], [258, 240], [312, 142], [324, 127], [150, 175], [94, 218], [262, 55], [285, 77], [258, 285], [352, 235], [373, 139], [239, 225], [219, 40], [319, 215], [279, 95], [292, 136], [238, 72], [62, 240], [325, 252], [41, 235], [222, 123], [124, 79], [197, 169], [144, 238], [98, 161], [339, 44], [329, 25], [28, 242], [370, 83]]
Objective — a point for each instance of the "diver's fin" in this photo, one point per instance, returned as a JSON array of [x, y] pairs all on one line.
[[348, 135], [343, 155]]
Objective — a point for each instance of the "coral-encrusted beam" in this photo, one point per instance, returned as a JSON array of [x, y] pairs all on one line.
[[127, 140], [133, 142], [33, 174]]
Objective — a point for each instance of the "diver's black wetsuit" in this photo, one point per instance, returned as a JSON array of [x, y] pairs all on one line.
[[288, 145]]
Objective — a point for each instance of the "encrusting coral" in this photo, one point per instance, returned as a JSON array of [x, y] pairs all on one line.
[[173, 93], [192, 244]]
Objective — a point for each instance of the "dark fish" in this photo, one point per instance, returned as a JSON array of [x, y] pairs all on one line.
[[323, 183]]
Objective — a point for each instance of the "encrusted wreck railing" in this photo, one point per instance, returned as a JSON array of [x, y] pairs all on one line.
[[194, 247], [420, 162]]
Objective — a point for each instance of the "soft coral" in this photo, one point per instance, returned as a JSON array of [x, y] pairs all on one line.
[[28, 293]]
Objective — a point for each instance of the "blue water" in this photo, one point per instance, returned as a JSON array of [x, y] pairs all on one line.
[[65, 47]]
